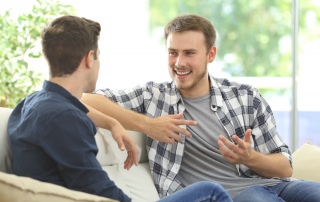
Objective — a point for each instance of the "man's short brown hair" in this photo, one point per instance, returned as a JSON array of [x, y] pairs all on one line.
[[66, 40], [192, 22]]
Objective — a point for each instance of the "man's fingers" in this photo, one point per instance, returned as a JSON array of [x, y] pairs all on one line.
[[182, 131], [120, 144], [175, 116], [182, 121], [129, 161], [228, 143], [247, 136], [134, 151], [225, 151], [185, 122], [169, 140], [135, 156], [240, 142], [175, 136]]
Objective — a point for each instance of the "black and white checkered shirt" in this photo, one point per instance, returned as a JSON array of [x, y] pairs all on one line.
[[239, 107]]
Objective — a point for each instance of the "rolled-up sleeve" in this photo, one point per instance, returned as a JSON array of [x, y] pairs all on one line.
[[132, 99], [266, 137]]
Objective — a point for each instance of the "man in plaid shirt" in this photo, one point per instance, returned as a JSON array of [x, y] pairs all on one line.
[[234, 141]]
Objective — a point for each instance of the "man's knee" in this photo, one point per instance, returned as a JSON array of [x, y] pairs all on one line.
[[257, 193], [303, 191]]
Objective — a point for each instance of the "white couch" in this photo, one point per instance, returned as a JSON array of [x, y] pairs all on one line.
[[136, 183]]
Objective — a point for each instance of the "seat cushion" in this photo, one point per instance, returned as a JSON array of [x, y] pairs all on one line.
[[306, 161], [5, 148], [14, 189], [136, 183]]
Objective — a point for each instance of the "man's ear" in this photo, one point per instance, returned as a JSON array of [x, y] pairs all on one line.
[[89, 59], [212, 54]]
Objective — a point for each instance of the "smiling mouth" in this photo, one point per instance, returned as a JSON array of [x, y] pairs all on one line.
[[182, 73]]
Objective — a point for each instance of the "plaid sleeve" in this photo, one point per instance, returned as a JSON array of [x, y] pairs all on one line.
[[132, 99], [264, 130]]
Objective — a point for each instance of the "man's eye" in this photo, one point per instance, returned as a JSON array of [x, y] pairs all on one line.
[[189, 53], [172, 53]]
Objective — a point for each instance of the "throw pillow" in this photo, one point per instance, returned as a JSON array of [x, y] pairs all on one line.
[[306, 161]]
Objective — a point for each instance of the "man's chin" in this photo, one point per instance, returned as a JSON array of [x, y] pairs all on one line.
[[182, 87]]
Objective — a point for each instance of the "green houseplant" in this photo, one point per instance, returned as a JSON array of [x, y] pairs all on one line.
[[18, 39]]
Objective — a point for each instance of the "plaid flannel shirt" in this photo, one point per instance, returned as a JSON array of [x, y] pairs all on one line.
[[239, 107]]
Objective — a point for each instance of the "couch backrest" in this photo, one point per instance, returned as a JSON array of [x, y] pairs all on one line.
[[5, 148]]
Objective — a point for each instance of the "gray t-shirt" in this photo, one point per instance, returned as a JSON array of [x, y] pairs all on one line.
[[202, 160]]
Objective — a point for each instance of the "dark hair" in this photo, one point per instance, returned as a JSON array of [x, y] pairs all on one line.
[[66, 40], [188, 22]]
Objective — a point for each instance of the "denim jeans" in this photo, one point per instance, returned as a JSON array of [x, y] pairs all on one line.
[[199, 192], [295, 191]]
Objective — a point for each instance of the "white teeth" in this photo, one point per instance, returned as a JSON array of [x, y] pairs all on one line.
[[182, 73]]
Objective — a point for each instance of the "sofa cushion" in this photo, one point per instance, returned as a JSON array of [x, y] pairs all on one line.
[[140, 184], [306, 161], [5, 148], [110, 154], [136, 183], [14, 189]]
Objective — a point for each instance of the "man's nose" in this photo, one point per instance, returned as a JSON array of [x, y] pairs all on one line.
[[180, 62]]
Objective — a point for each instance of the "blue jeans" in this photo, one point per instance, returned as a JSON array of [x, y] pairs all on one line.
[[295, 191], [199, 192]]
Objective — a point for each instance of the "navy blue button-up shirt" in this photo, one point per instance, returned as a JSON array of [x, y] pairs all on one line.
[[52, 140]]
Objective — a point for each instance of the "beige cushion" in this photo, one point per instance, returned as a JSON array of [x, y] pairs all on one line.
[[14, 189], [306, 161], [5, 147]]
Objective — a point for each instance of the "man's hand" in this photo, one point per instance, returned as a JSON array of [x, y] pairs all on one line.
[[236, 154], [125, 141], [164, 128]]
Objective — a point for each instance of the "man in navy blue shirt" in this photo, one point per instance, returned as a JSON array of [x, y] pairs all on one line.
[[51, 135]]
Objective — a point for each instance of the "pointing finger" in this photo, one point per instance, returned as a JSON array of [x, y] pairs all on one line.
[[185, 122], [175, 116]]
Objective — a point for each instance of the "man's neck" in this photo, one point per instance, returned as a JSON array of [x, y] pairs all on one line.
[[70, 84]]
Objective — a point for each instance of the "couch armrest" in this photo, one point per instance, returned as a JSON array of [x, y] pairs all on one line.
[[14, 188]]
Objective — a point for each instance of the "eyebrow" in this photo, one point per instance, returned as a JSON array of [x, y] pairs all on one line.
[[186, 50]]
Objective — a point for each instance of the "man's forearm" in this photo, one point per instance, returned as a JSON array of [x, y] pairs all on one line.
[[272, 165], [99, 105], [163, 128]]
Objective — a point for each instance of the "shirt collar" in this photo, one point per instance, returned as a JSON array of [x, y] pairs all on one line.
[[216, 97], [53, 87], [175, 99], [215, 93]]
